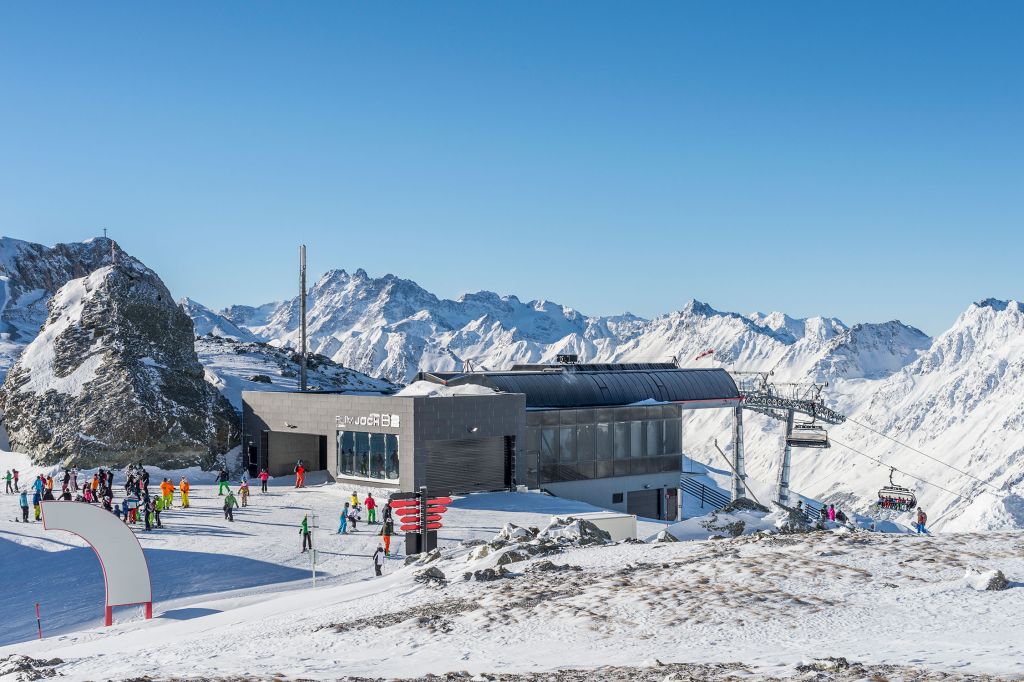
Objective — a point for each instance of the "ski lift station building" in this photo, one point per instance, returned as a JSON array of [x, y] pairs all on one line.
[[611, 435]]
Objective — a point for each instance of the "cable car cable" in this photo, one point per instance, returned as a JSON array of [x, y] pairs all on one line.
[[911, 447], [889, 466]]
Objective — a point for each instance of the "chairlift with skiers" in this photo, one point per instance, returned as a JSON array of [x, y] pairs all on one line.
[[896, 497]]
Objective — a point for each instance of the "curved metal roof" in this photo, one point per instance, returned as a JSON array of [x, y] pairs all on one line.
[[606, 388]]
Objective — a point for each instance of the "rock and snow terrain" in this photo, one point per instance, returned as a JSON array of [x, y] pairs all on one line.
[[113, 377], [234, 600]]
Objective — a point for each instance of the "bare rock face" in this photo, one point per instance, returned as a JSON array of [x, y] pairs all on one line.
[[113, 377]]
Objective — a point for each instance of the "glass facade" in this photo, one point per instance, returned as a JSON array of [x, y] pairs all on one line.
[[571, 445], [368, 455]]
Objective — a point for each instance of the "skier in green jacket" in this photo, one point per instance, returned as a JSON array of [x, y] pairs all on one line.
[[307, 538], [229, 503]]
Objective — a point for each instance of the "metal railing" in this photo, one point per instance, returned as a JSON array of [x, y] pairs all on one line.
[[709, 497]]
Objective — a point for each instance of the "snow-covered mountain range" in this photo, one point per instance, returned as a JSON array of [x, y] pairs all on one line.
[[955, 398]]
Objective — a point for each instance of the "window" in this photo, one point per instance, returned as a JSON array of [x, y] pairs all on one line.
[[567, 444], [603, 441], [585, 443], [636, 430], [673, 437], [621, 440], [617, 498], [368, 455], [391, 469], [655, 438], [548, 445]]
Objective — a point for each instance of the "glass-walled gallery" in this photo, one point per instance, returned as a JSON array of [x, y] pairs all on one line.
[[368, 455], [579, 444]]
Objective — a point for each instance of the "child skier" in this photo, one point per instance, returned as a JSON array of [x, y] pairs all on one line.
[[229, 503], [378, 560], [371, 508], [243, 491], [23, 501], [353, 516], [184, 487], [343, 520], [37, 498], [355, 499], [263, 480]]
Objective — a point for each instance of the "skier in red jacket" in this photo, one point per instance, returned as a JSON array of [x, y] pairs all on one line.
[[371, 508]]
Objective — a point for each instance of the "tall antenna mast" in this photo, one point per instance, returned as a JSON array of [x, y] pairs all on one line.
[[302, 315]]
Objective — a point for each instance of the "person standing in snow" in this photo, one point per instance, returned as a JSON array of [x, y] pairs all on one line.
[[343, 520], [167, 493], [243, 491], [386, 512], [387, 529], [353, 516], [307, 538], [222, 479], [371, 508], [378, 560], [229, 504], [922, 519], [355, 499], [158, 506], [14, 472], [184, 486], [74, 479], [8, 478], [263, 480], [124, 510], [23, 501], [37, 499], [300, 475], [831, 512]]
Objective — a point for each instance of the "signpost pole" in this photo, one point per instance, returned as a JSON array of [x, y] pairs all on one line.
[[39, 622], [423, 519]]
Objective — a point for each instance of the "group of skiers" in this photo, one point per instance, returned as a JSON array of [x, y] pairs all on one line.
[[902, 504], [351, 514]]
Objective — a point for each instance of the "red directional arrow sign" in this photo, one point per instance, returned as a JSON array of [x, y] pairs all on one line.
[[436, 510], [397, 504], [439, 500], [415, 527]]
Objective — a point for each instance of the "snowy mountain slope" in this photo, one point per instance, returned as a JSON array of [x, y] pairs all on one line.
[[207, 322], [392, 327], [959, 401], [234, 366], [30, 274]]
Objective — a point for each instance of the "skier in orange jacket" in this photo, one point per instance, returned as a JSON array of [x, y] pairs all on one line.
[[184, 487]]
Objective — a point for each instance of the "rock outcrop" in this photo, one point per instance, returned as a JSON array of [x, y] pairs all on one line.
[[113, 377]]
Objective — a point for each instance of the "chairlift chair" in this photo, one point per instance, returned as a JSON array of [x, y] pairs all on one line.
[[808, 435], [893, 492]]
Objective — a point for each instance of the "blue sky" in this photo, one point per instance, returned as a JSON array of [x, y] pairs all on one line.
[[862, 160]]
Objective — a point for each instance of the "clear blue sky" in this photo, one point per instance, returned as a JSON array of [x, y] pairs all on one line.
[[863, 160]]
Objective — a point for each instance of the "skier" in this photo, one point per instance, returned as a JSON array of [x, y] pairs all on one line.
[[307, 538], [144, 506], [229, 503], [144, 480], [157, 505], [14, 472], [387, 529], [300, 475], [922, 519], [353, 516], [167, 491], [387, 511], [831, 512], [124, 510], [371, 508], [355, 499], [8, 478], [66, 482], [37, 499], [223, 480], [23, 501], [378, 560], [263, 479], [74, 480], [343, 520], [243, 491], [184, 487], [95, 485]]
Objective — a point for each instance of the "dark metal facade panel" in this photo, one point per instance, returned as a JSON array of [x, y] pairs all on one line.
[[575, 388]]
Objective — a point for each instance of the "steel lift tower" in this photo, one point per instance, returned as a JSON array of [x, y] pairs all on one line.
[[781, 401]]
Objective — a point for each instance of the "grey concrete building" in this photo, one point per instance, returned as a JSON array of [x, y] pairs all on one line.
[[610, 435]]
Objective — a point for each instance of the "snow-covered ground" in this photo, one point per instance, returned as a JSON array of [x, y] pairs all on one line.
[[236, 599]]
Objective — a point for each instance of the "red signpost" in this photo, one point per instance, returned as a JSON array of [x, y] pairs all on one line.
[[420, 517]]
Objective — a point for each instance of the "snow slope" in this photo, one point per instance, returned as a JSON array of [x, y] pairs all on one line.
[[770, 602]]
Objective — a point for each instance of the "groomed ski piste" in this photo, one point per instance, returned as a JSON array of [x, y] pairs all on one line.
[[511, 596]]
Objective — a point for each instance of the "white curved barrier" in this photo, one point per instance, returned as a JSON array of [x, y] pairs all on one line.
[[125, 570]]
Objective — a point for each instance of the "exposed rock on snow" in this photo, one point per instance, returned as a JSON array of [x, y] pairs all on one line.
[[665, 536], [113, 377], [983, 581], [570, 530]]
